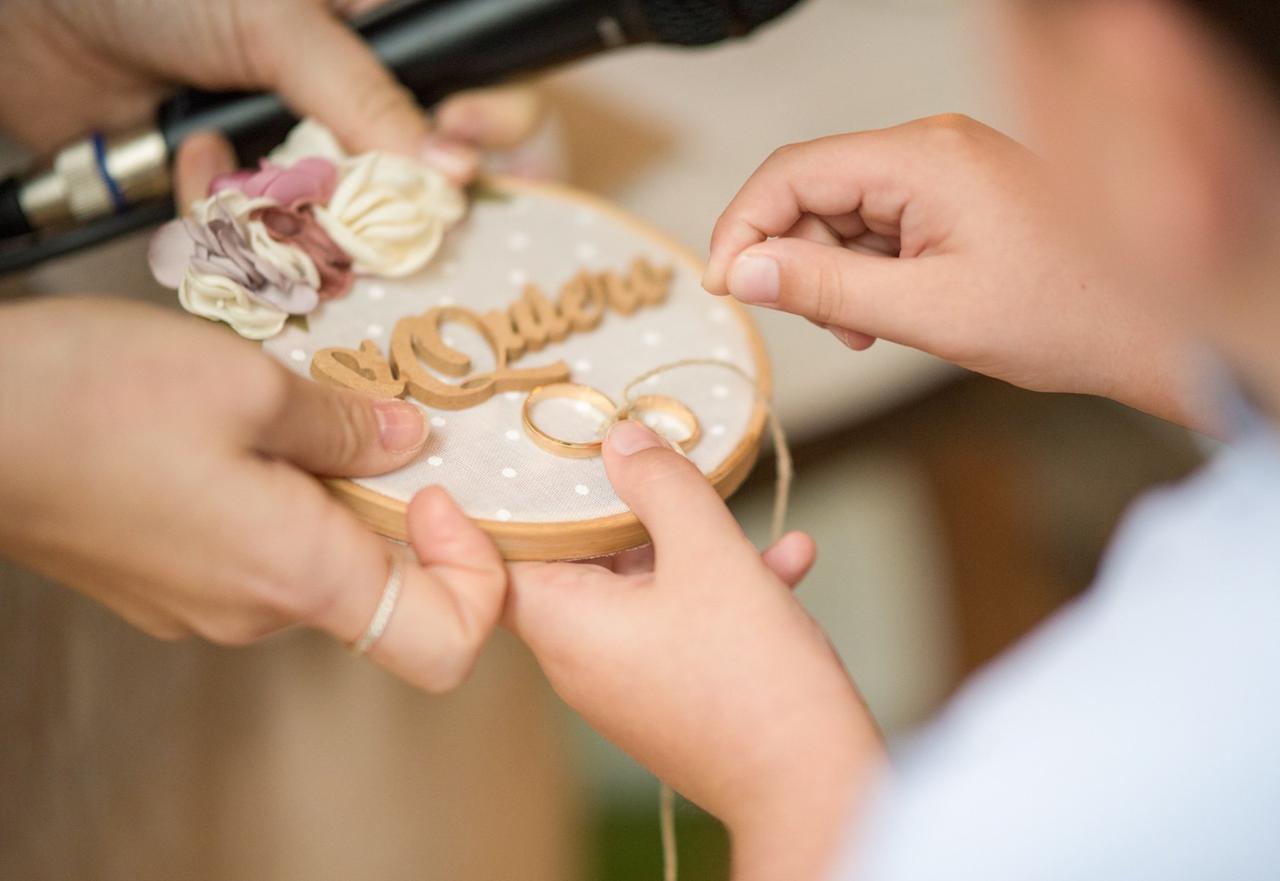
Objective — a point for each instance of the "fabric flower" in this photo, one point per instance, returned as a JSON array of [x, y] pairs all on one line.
[[308, 139], [221, 299], [390, 213], [275, 241], [307, 180], [298, 227], [226, 265]]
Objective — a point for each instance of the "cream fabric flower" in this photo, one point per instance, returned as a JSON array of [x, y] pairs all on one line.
[[307, 140], [221, 299], [390, 214]]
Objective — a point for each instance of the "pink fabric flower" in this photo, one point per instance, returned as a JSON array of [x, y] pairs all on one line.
[[306, 181], [297, 226]]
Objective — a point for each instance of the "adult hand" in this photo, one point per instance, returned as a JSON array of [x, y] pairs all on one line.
[[706, 668], [70, 66], [942, 235], [157, 465]]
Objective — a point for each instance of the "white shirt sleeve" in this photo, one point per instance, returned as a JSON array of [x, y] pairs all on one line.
[[1135, 737]]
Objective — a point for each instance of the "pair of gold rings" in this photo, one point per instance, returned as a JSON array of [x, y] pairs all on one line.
[[602, 403]]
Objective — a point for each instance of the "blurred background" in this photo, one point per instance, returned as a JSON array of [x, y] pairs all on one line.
[[952, 513]]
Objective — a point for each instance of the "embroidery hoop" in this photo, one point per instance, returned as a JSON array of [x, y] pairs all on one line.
[[600, 536]]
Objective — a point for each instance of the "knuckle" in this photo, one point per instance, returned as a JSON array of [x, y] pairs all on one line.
[[355, 428], [951, 130], [957, 122], [830, 293], [785, 154], [661, 466], [381, 99], [453, 667]]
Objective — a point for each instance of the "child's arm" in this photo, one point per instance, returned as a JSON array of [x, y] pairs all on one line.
[[706, 668], [988, 277], [1133, 737]]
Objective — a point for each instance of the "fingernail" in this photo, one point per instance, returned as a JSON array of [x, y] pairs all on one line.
[[755, 279], [627, 438], [456, 160], [400, 426]]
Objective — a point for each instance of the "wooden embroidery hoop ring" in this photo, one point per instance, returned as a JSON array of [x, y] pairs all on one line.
[[603, 536]]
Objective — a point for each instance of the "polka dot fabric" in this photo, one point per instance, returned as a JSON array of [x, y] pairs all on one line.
[[482, 456]]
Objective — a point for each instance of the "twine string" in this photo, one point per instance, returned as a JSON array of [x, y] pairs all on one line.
[[781, 502], [667, 823]]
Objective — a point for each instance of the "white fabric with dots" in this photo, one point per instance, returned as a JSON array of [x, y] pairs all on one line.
[[483, 456]]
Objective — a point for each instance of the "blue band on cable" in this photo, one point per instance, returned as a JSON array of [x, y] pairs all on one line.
[[118, 201]]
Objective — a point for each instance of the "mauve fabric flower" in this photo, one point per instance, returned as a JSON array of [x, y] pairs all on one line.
[[169, 253], [218, 246], [298, 227], [307, 180]]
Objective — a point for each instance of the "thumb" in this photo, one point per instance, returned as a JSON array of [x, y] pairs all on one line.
[[875, 295], [340, 433], [684, 515]]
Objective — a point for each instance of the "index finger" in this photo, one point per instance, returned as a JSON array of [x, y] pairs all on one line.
[[689, 523], [829, 177], [334, 574], [867, 179]]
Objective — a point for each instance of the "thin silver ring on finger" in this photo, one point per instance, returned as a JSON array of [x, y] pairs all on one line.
[[382, 615]]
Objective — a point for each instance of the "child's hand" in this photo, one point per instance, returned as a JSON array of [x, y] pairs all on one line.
[[985, 277], [706, 668]]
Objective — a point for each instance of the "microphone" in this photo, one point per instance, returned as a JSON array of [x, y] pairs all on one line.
[[104, 187]]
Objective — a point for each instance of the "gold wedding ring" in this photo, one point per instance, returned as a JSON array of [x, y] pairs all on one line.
[[597, 400], [602, 403], [671, 407]]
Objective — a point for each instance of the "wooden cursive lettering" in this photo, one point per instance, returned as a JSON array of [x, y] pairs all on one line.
[[528, 325], [582, 303], [418, 338], [363, 369]]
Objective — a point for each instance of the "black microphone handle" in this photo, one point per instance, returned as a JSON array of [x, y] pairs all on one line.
[[434, 48]]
